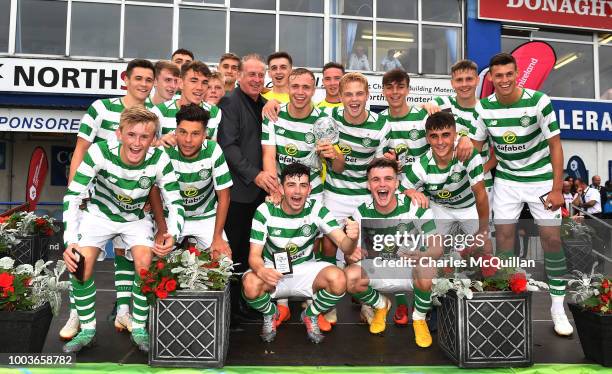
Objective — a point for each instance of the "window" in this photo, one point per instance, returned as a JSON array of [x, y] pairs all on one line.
[[605, 66], [306, 6], [148, 32], [396, 46], [5, 13], [41, 27], [202, 32], [352, 43], [406, 9], [441, 48], [362, 8], [302, 38], [254, 4], [442, 10], [252, 32], [95, 29]]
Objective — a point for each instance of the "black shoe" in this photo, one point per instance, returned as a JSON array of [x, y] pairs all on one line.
[[432, 319]]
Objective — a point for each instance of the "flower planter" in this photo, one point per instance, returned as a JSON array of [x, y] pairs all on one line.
[[190, 329], [493, 329], [24, 331], [595, 332], [579, 255], [30, 249]]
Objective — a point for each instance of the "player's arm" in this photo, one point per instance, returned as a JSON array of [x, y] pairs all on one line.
[[271, 110], [80, 150], [256, 263], [482, 206], [269, 159], [464, 148], [491, 162], [411, 182], [332, 153], [555, 198], [157, 208], [346, 242], [222, 181], [170, 191], [436, 105]]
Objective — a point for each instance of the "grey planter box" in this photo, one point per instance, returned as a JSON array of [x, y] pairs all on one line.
[[493, 329], [579, 255], [30, 249], [190, 329]]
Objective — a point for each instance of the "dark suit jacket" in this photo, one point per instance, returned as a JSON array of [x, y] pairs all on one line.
[[240, 138]]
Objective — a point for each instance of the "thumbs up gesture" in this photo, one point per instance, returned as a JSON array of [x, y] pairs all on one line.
[[352, 229]]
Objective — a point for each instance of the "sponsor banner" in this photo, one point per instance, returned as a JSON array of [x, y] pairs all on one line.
[[586, 120], [40, 120], [36, 176], [60, 164], [584, 14]]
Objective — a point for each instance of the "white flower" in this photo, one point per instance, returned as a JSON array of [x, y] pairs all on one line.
[[6, 263]]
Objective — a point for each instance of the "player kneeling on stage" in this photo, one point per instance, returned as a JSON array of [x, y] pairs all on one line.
[[281, 257], [389, 213], [122, 175]]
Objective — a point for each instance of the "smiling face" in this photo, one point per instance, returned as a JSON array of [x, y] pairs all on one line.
[[382, 183], [354, 97], [279, 71], [194, 86], [331, 81], [252, 77], [189, 136], [135, 140], [301, 90], [296, 189], [216, 90], [396, 93], [503, 78], [464, 83], [166, 84], [229, 68], [181, 59], [140, 83], [442, 142]]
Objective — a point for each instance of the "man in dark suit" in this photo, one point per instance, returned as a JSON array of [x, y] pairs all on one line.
[[240, 138]]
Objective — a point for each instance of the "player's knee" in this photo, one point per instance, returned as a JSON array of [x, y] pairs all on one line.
[[336, 280], [251, 285], [423, 284], [353, 275]]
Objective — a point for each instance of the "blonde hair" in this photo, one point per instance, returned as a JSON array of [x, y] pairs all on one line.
[[138, 114], [218, 76], [353, 77]]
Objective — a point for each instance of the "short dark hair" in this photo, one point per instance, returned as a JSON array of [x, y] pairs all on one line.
[[139, 63], [196, 66], [281, 54], [464, 65], [439, 121], [230, 56], [502, 58], [333, 65], [301, 71], [383, 162], [192, 112], [183, 51], [395, 75], [167, 65], [295, 169]]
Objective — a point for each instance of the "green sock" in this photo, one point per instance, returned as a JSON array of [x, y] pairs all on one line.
[[369, 296], [504, 253], [140, 307], [321, 302], [422, 300], [262, 304], [401, 299], [554, 263], [330, 259], [124, 278], [85, 302]]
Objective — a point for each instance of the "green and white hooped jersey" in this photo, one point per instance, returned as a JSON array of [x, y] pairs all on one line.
[[359, 144], [278, 231], [450, 187], [102, 119], [464, 118], [519, 133], [120, 191], [407, 137], [199, 178], [167, 117], [294, 141]]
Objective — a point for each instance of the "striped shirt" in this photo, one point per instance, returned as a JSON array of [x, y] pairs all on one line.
[[278, 231], [519, 132], [450, 187], [359, 144], [167, 117], [464, 117], [326, 104], [199, 177], [102, 119], [294, 142], [407, 137], [120, 191]]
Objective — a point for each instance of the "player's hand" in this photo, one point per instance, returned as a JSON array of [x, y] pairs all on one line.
[[327, 150], [270, 276], [271, 110], [70, 258], [352, 229], [464, 148], [357, 255], [418, 197], [554, 200], [275, 198], [267, 182], [391, 155], [430, 108], [220, 247], [164, 246], [168, 140]]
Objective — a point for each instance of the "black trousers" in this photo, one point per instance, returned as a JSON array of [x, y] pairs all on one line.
[[238, 231]]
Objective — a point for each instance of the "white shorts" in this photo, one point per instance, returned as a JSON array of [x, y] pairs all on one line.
[[508, 202], [298, 284], [445, 218], [96, 231], [202, 230], [343, 206], [400, 281]]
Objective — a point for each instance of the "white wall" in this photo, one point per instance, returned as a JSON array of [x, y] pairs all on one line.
[[595, 155]]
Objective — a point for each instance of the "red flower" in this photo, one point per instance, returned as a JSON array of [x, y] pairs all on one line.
[[49, 232], [6, 280], [161, 294], [604, 299], [447, 270], [146, 289], [171, 285], [518, 282], [212, 265], [41, 221], [605, 283], [160, 265], [144, 273], [487, 271], [193, 249]]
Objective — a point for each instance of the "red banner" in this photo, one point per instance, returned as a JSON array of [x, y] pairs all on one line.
[[36, 177], [584, 14]]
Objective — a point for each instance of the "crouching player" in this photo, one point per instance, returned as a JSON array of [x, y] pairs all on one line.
[[285, 234], [394, 213], [122, 175]]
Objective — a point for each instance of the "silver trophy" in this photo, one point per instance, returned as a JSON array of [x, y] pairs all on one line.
[[325, 130]]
